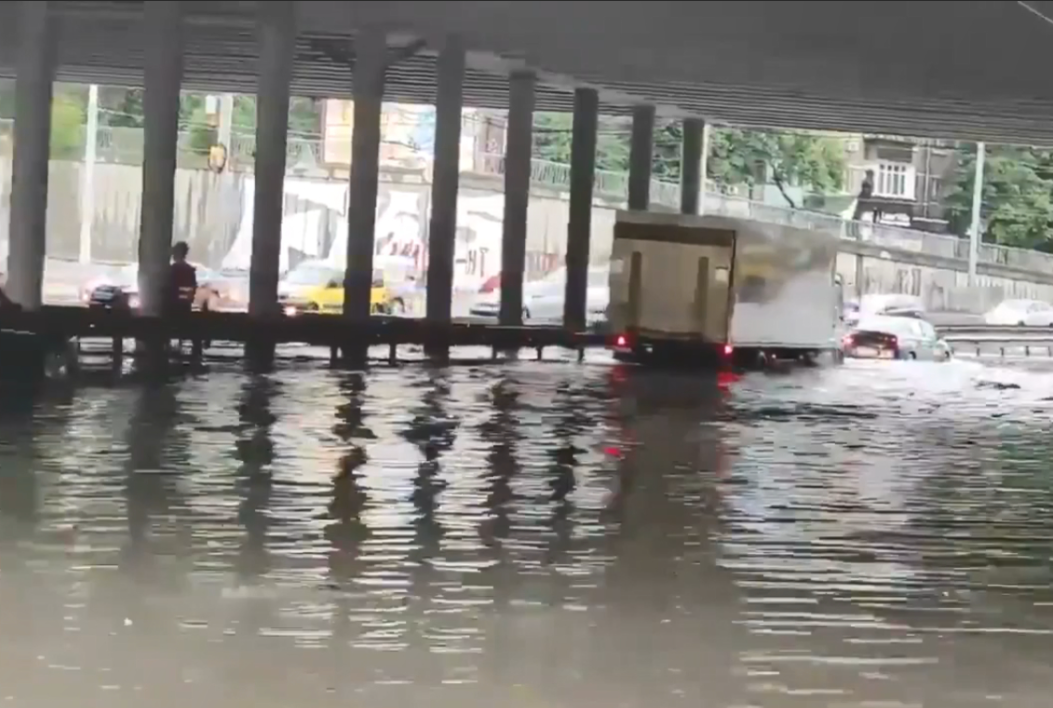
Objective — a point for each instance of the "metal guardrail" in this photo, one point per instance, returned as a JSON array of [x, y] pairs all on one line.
[[1003, 339], [1008, 331]]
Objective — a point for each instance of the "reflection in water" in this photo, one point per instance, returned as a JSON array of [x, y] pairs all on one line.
[[255, 452], [529, 535]]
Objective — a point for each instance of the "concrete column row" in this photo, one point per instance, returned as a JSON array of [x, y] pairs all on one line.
[[277, 35], [29, 167]]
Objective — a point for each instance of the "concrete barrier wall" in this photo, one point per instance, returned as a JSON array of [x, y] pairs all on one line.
[[213, 214]]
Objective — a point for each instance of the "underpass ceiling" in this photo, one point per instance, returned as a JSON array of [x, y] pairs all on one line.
[[967, 70]]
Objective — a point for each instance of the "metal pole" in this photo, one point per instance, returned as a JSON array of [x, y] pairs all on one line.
[[703, 169], [226, 123], [974, 231], [87, 195]]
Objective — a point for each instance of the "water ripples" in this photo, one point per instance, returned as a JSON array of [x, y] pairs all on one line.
[[531, 534]]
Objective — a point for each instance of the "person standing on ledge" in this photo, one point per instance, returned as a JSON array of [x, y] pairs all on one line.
[[181, 290], [182, 281]]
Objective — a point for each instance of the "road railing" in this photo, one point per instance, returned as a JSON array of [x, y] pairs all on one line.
[[1005, 340]]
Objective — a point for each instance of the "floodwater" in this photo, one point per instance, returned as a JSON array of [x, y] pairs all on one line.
[[531, 534]]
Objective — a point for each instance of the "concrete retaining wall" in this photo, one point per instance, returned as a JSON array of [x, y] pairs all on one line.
[[213, 213]]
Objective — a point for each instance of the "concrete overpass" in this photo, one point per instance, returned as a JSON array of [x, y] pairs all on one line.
[[973, 70], [967, 70]]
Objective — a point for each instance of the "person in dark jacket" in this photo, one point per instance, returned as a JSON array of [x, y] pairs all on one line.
[[182, 281], [181, 290]]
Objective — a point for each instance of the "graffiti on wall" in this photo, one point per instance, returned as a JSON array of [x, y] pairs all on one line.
[[314, 226]]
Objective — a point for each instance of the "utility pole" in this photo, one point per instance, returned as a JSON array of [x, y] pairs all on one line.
[[704, 169], [87, 191], [226, 121], [974, 230]]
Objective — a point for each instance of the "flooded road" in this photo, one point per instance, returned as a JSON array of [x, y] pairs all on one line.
[[530, 534]]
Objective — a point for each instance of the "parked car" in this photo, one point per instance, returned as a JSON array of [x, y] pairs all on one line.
[[543, 299], [214, 290], [894, 337], [1023, 313]]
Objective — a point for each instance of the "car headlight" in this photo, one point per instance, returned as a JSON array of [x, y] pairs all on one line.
[[133, 301], [291, 311]]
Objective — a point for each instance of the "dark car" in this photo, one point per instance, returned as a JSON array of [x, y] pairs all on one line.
[[894, 337], [121, 292]]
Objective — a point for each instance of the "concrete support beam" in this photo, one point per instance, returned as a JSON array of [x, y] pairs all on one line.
[[29, 169], [277, 37], [446, 172], [162, 79], [371, 58], [579, 228], [691, 165], [641, 158], [519, 138]]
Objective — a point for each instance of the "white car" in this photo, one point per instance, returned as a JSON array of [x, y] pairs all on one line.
[[543, 299], [1022, 313]]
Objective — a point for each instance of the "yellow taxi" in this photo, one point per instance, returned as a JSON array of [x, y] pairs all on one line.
[[318, 287]]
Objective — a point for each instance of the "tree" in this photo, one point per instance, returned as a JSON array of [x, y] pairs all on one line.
[[736, 156], [1016, 205], [751, 156], [67, 122], [552, 138], [121, 107], [67, 117]]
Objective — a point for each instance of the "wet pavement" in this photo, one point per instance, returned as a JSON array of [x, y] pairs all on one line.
[[531, 534]]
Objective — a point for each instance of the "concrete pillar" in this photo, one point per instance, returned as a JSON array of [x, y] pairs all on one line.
[[277, 37], [519, 138], [371, 56], [579, 228], [691, 165], [162, 78], [641, 157], [29, 168], [442, 231]]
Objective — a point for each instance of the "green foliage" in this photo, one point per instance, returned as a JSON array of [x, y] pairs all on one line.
[[750, 156], [552, 138], [67, 124], [736, 156], [1016, 207], [120, 107]]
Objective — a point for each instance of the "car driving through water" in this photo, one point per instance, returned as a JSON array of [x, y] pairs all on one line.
[[892, 337]]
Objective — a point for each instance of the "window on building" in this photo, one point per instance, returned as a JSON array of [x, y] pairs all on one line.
[[895, 180]]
